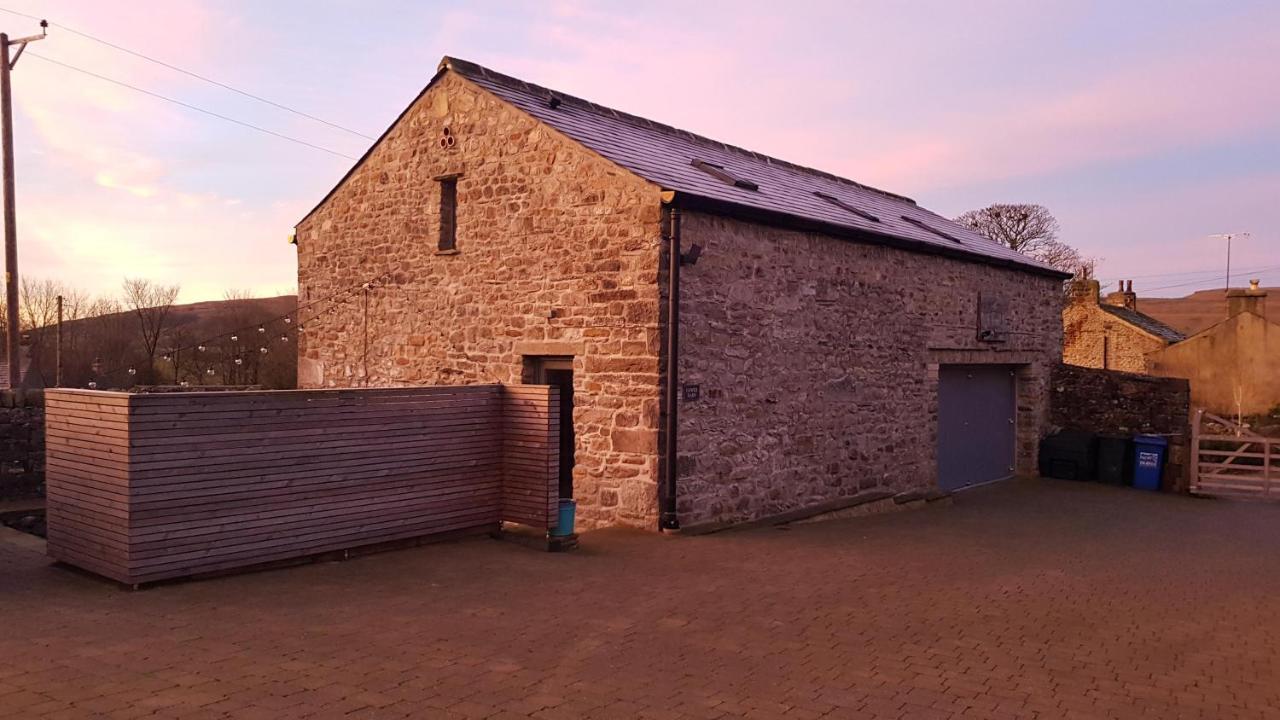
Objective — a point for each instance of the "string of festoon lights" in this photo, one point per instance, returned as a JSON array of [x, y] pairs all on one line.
[[255, 338]]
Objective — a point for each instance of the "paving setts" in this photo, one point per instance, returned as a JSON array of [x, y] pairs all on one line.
[[1031, 599]]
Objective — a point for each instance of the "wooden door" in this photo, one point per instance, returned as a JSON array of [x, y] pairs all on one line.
[[976, 431]]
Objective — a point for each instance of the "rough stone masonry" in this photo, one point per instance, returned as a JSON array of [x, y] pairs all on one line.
[[818, 362], [557, 254], [818, 357]]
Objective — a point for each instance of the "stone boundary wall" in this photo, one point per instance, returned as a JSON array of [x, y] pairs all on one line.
[[1108, 402], [21, 444]]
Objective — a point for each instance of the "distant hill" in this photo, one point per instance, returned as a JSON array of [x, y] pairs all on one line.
[[206, 316], [212, 312], [1195, 312], [100, 348]]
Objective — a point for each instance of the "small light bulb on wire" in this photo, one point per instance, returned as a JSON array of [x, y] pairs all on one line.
[[288, 320], [209, 371], [93, 385], [201, 348], [234, 338], [133, 371], [263, 349], [262, 328], [239, 361]]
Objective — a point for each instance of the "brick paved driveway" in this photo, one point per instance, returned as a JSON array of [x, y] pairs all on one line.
[[1031, 599]]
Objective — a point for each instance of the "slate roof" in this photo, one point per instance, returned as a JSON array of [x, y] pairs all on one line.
[[1145, 323], [665, 155]]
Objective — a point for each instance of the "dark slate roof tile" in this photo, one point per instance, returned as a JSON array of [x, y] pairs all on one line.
[[663, 155], [1145, 322]]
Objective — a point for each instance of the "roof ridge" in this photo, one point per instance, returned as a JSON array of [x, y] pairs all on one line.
[[468, 67]]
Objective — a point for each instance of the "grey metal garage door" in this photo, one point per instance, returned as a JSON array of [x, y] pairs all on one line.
[[975, 424]]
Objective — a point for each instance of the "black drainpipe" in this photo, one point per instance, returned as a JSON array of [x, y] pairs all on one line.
[[667, 519]]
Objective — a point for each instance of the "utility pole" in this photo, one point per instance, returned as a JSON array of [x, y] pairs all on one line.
[[10, 209], [58, 353]]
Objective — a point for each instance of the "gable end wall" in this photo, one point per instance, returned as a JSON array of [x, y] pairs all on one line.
[[1233, 366], [1087, 328], [557, 253]]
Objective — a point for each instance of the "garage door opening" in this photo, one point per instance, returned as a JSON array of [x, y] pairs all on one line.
[[976, 428]]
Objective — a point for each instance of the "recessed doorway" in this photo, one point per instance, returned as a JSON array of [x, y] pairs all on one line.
[[557, 371]]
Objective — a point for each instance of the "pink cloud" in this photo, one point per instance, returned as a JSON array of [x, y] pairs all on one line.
[[1200, 96]]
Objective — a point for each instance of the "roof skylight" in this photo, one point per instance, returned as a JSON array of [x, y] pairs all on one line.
[[718, 172], [846, 206], [920, 224]]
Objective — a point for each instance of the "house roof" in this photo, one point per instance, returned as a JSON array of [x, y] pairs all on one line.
[[766, 187], [665, 156], [1146, 323]]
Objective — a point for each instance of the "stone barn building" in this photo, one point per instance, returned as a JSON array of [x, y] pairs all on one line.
[[1110, 333], [736, 336]]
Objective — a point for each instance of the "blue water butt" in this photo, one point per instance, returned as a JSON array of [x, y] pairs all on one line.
[[568, 507]]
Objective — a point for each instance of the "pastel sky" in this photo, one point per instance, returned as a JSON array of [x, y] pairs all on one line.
[[1144, 126]]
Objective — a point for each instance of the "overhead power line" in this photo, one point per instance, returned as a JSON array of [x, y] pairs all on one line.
[[1184, 273], [195, 75], [1256, 272], [1208, 276], [189, 106]]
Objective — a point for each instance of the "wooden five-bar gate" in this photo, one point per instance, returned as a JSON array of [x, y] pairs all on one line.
[[144, 487], [1229, 460]]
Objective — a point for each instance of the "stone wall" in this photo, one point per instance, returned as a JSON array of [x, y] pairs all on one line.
[[1093, 338], [818, 357], [557, 254], [817, 363], [1126, 404], [21, 444]]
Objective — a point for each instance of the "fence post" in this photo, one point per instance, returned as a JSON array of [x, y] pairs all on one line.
[[1266, 468], [1196, 420]]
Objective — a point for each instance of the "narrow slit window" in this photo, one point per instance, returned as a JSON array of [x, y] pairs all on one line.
[[448, 213], [847, 207], [920, 224], [718, 172]]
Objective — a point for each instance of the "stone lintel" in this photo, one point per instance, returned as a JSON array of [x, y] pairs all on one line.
[[531, 347]]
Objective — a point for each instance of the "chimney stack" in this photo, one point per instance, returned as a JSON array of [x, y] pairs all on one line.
[[1124, 297], [1086, 290], [1252, 299]]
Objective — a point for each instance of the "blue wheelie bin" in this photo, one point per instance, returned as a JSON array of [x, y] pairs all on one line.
[[1148, 460]]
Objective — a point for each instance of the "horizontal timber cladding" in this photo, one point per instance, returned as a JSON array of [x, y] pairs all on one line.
[[148, 487], [531, 454]]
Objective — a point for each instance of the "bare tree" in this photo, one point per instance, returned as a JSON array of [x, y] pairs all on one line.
[[150, 304], [38, 318], [109, 342], [1027, 228], [38, 302], [1022, 227], [1061, 256]]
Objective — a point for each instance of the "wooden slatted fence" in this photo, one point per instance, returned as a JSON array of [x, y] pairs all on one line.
[[1229, 460], [144, 487], [530, 454]]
